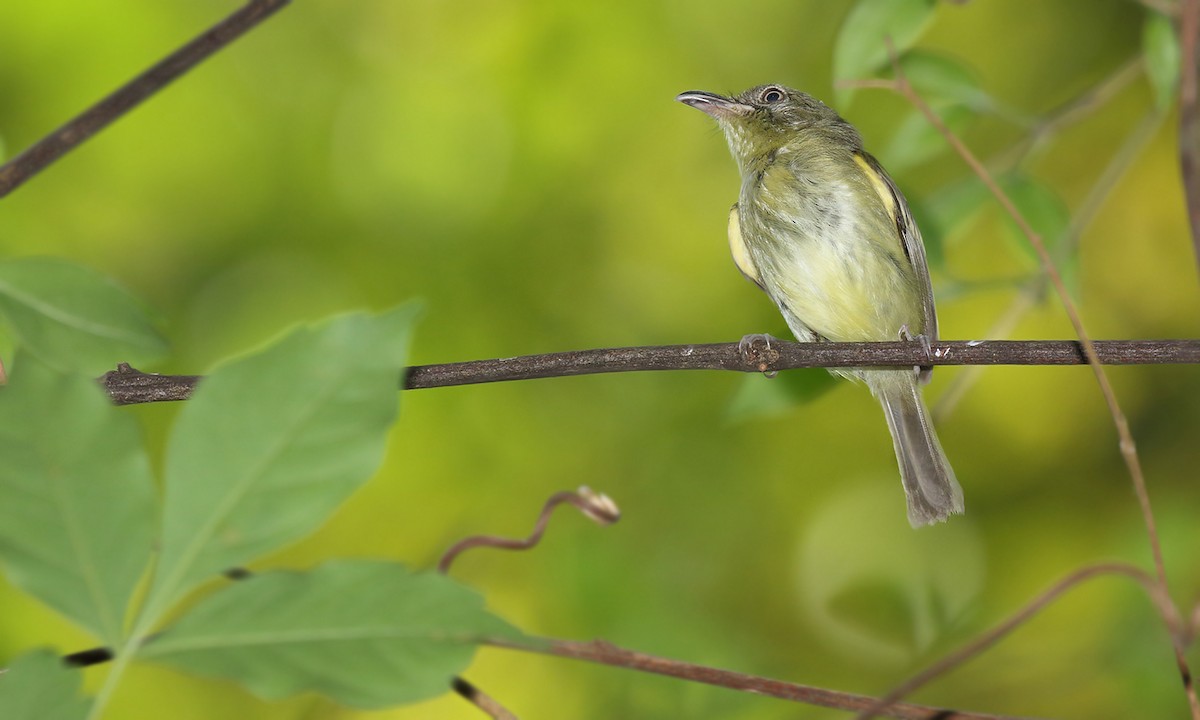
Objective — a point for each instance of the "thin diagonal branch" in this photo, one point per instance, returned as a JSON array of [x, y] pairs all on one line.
[[45, 151], [985, 641], [1189, 114], [1033, 290], [1128, 447], [605, 653], [128, 386]]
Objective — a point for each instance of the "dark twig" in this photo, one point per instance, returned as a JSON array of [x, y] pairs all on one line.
[[598, 507], [45, 151], [605, 653], [128, 386], [987, 640], [481, 700], [1189, 114]]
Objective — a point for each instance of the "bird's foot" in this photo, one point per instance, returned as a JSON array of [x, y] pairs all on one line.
[[925, 370], [757, 352]]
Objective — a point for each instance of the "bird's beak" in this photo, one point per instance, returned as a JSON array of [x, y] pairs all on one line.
[[719, 106]]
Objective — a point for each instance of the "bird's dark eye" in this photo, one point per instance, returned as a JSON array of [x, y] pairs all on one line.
[[772, 95]]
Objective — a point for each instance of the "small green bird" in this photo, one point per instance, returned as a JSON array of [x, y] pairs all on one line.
[[823, 230]]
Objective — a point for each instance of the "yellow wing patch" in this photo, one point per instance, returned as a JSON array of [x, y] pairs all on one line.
[[880, 185], [737, 246]]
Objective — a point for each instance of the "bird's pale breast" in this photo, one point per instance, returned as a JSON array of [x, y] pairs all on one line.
[[828, 251]]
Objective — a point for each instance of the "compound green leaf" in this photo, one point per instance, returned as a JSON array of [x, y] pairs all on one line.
[[365, 633], [76, 496], [38, 686], [72, 317], [272, 443], [861, 48]]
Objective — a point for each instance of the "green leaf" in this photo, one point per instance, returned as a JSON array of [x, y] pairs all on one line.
[[365, 633], [917, 140], [860, 49], [1160, 45], [1041, 208], [272, 443], [954, 204], [76, 496], [38, 686], [760, 397], [72, 317], [876, 589], [941, 78]]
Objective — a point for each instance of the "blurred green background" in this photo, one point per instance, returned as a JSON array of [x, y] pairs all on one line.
[[522, 167]]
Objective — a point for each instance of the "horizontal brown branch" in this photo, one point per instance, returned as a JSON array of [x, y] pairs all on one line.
[[128, 386]]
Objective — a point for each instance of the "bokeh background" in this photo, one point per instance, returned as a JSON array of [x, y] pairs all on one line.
[[521, 166]]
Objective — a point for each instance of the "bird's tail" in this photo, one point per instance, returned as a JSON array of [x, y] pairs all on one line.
[[930, 487]]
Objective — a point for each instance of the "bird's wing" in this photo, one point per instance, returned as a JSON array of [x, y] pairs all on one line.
[[737, 247], [910, 236]]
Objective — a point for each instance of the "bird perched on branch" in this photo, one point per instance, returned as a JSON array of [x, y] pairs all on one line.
[[823, 230]]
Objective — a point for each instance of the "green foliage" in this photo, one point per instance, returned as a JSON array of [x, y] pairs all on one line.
[[37, 686], [72, 317], [861, 48], [941, 214], [940, 78], [952, 90], [893, 602], [365, 633], [917, 140], [522, 168], [1041, 207], [266, 449], [1160, 46], [270, 444], [759, 397], [77, 510]]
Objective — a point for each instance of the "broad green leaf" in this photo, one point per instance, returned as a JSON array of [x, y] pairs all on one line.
[[875, 588], [1160, 45], [72, 317], [38, 686], [76, 497], [365, 633], [759, 397], [917, 140], [940, 78], [952, 205], [860, 49], [272, 443], [1041, 208]]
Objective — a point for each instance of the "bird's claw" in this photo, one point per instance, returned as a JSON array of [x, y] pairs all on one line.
[[757, 352], [923, 371]]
